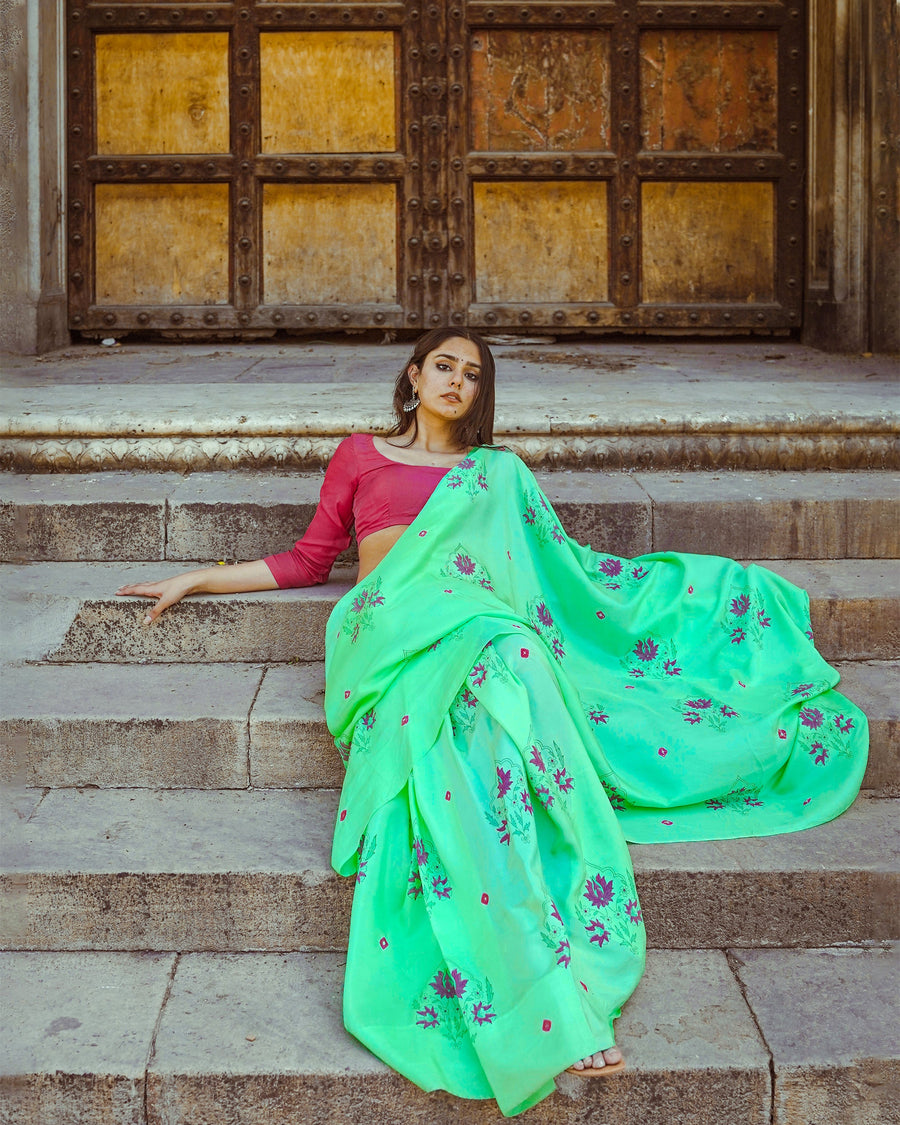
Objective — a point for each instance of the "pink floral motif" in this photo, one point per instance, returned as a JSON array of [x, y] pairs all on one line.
[[441, 886], [738, 636], [563, 953], [537, 760], [449, 984], [819, 753], [739, 606], [598, 716], [843, 725], [429, 1018], [802, 689], [565, 783], [611, 567], [523, 797], [671, 668], [464, 564], [632, 909]]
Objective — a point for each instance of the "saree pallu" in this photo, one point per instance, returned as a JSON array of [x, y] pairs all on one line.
[[511, 708]]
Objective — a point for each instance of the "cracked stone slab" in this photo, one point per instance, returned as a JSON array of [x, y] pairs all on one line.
[[158, 725], [829, 1017], [289, 742], [78, 1029], [250, 1037], [168, 869]]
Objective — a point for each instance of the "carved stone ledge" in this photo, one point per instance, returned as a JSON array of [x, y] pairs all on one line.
[[789, 451]]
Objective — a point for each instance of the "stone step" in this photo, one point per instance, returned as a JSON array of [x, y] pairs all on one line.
[[68, 612], [221, 726], [136, 869], [735, 1037], [230, 516]]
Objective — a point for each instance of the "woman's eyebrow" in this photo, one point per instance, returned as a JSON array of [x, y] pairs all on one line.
[[447, 355]]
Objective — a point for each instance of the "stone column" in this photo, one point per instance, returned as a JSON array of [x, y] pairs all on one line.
[[852, 297], [32, 183]]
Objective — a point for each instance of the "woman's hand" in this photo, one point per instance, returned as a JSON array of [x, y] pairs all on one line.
[[168, 592], [237, 579]]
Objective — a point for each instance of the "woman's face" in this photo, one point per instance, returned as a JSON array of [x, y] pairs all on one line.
[[447, 382]]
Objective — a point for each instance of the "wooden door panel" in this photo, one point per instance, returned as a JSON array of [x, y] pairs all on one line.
[[329, 244], [162, 244], [712, 91], [540, 242], [353, 163], [162, 93], [708, 242], [539, 90], [328, 91]]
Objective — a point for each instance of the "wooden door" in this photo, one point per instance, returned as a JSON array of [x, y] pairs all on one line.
[[244, 167]]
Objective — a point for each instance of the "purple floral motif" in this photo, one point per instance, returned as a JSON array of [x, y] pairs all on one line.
[[842, 724], [599, 891], [563, 953], [616, 798], [537, 760], [440, 886], [415, 885], [503, 831], [368, 720], [599, 933], [745, 617], [539, 515], [712, 712], [740, 605], [466, 463], [596, 715], [481, 1012], [450, 1001], [478, 674], [449, 984], [563, 780], [819, 753], [671, 668], [811, 717], [462, 563], [738, 636], [504, 780], [543, 614], [646, 650], [633, 910], [523, 797], [804, 690], [429, 1018], [362, 609], [544, 796], [421, 851], [529, 515], [611, 567], [741, 798], [764, 621], [639, 572], [698, 704], [558, 651]]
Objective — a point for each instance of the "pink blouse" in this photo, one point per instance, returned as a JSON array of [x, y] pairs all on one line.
[[361, 486]]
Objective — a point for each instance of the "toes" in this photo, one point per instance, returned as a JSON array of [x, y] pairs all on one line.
[[612, 1056]]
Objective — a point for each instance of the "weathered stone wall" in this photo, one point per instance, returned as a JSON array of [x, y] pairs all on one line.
[[32, 121]]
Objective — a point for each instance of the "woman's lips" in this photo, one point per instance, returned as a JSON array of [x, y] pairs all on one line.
[[452, 396]]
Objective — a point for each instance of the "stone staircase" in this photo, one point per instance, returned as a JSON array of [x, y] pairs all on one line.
[[173, 931]]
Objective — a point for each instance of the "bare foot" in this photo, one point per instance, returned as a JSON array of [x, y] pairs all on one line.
[[598, 1061]]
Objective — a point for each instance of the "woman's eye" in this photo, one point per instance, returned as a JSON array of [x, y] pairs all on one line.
[[473, 375]]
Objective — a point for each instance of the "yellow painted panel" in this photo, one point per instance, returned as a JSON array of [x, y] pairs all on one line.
[[540, 241], [328, 91], [162, 93], [708, 242], [161, 244], [330, 243]]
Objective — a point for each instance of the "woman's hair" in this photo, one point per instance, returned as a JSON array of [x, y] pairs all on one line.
[[477, 425]]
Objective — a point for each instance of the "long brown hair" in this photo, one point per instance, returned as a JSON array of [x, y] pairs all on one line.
[[476, 427]]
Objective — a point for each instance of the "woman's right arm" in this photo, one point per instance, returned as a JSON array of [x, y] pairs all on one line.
[[236, 579], [307, 564]]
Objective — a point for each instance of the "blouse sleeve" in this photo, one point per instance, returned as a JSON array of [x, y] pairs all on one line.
[[312, 557]]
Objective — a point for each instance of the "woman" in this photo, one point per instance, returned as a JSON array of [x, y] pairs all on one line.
[[510, 707]]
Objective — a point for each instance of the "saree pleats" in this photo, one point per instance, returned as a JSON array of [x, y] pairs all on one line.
[[512, 707]]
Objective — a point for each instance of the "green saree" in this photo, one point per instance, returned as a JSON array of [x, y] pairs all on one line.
[[511, 708]]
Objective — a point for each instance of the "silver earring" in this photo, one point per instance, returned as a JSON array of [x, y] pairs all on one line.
[[411, 403]]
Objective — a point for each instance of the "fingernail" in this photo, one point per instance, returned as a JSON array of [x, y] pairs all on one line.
[[147, 619]]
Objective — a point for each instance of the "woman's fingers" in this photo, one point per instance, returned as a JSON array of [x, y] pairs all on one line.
[[167, 593]]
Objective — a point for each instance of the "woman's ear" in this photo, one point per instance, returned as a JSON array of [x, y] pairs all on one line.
[[412, 372]]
